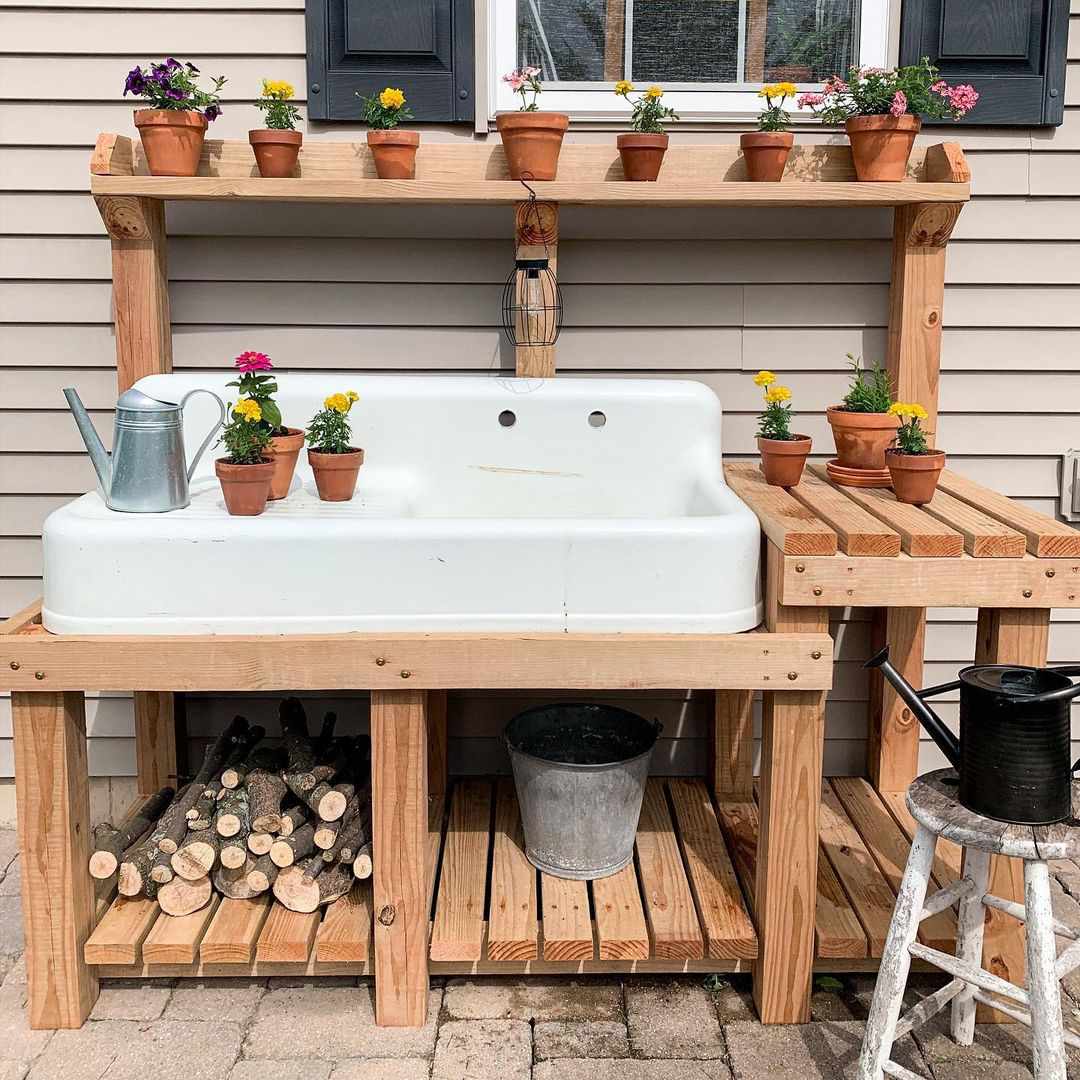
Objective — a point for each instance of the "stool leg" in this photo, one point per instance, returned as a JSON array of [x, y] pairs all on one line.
[[1047, 1035], [969, 942], [896, 961]]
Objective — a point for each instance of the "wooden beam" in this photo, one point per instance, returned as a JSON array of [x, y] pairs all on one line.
[[794, 529], [536, 236], [892, 749], [438, 775], [732, 746], [155, 740], [859, 532], [400, 836], [53, 809]]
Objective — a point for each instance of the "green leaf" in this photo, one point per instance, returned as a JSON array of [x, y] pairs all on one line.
[[827, 982], [271, 413]]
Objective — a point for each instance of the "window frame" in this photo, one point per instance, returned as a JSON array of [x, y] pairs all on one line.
[[693, 101]]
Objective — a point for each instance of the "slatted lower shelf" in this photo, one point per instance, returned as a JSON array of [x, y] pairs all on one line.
[[681, 906]]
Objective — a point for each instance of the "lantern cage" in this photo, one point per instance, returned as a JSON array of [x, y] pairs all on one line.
[[532, 304]]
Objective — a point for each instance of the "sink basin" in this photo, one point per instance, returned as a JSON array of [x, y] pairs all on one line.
[[484, 504]]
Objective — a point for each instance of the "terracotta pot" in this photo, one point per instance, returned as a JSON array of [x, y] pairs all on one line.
[[335, 474], [881, 145], [782, 460], [531, 142], [641, 154], [861, 438], [766, 154], [915, 476], [394, 152], [276, 151], [284, 450], [245, 487], [172, 140]]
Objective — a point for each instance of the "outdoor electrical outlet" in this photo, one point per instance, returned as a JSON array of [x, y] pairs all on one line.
[[1070, 485]]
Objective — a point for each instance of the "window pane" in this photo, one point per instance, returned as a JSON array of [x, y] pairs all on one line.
[[685, 40], [572, 40], [804, 41]]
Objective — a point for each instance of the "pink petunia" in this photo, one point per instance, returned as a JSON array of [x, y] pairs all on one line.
[[899, 104], [963, 98], [531, 72], [809, 101], [253, 361], [516, 80], [940, 87]]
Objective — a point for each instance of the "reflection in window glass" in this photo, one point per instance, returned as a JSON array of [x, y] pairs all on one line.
[[687, 41]]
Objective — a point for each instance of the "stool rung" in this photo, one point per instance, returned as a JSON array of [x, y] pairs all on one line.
[[969, 973], [1011, 907], [945, 898], [890, 1068], [929, 1007], [1021, 1016], [1067, 960]]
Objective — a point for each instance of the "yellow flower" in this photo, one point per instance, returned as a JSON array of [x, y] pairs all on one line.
[[764, 378], [654, 92], [777, 393], [778, 90], [918, 412], [248, 409], [352, 395], [338, 402], [623, 87], [907, 409], [391, 98], [278, 89]]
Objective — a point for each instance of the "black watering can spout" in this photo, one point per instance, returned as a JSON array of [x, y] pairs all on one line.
[[946, 741]]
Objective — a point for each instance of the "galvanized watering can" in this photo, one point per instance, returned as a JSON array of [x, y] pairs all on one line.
[[1013, 752], [146, 472]]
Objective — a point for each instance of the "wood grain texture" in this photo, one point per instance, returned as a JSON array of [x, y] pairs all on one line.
[[858, 531], [621, 932], [118, 938], [732, 745], [345, 933], [399, 756], [1046, 537], [564, 907], [155, 741], [512, 932], [287, 936], [948, 856], [438, 776], [458, 933], [22, 620], [53, 811], [234, 931], [984, 536], [793, 528], [536, 236], [112, 156], [176, 940]]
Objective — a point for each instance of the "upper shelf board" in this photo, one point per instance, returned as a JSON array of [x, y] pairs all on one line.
[[476, 173]]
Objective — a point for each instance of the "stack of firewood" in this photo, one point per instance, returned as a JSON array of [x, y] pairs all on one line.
[[294, 818]]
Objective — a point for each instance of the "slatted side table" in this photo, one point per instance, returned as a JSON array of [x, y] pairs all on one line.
[[829, 546]]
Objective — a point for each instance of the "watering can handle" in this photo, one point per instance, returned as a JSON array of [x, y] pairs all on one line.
[[213, 430]]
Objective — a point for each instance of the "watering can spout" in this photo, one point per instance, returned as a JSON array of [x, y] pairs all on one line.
[[98, 454], [946, 741]]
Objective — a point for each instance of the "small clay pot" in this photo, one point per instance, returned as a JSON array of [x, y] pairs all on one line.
[[245, 487], [172, 140], [394, 152], [766, 154], [284, 450], [531, 142], [861, 438], [782, 460], [915, 476], [276, 151], [881, 145], [642, 154], [335, 474]]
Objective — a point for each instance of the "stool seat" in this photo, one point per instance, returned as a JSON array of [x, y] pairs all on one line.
[[932, 801]]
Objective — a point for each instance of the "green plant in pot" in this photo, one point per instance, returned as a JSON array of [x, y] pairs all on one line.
[[783, 455], [863, 428], [246, 473], [913, 465], [766, 150], [333, 459], [277, 146], [642, 150], [394, 150]]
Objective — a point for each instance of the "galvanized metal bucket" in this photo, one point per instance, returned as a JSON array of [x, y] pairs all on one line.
[[580, 818]]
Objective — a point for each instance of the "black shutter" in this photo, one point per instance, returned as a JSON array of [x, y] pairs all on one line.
[[1011, 51], [425, 47]]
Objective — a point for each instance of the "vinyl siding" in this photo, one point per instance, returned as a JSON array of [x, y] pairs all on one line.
[[707, 295]]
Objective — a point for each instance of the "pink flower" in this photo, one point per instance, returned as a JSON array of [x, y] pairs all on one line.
[[863, 72], [531, 72], [835, 85], [963, 98], [809, 101], [899, 104], [516, 80], [940, 87], [253, 361]]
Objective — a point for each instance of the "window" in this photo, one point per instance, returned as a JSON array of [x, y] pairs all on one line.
[[710, 56]]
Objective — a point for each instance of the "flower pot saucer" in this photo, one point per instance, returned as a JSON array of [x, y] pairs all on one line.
[[846, 476]]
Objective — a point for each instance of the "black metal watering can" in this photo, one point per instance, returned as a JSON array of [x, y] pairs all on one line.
[[1013, 754]]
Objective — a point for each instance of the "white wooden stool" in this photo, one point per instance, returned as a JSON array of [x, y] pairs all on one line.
[[933, 804]]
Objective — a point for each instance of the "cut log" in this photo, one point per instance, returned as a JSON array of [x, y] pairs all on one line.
[[110, 843], [326, 734], [301, 755], [265, 790], [351, 839], [196, 856], [334, 763], [161, 870], [201, 815], [259, 843], [233, 853], [334, 882], [181, 897], [241, 761], [330, 802], [362, 864], [261, 874], [292, 819], [232, 818], [138, 860], [297, 886], [233, 883], [286, 850], [326, 832]]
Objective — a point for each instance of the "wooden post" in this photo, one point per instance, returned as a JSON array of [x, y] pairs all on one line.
[[1008, 636], [536, 236], [892, 749], [136, 228], [399, 778], [785, 893], [438, 764], [53, 807], [732, 745]]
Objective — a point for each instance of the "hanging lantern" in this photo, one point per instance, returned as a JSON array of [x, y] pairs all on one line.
[[532, 304]]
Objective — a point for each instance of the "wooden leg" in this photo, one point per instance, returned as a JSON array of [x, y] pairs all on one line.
[[399, 781], [155, 740], [1047, 1035], [969, 941], [1008, 636], [438, 778], [53, 805], [892, 749], [732, 746]]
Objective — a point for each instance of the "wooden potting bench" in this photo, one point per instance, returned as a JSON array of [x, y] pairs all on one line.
[[438, 902]]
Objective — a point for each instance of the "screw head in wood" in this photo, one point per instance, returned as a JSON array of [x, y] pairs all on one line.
[[1049, 573], [39, 675], [406, 674], [792, 675], [816, 654], [1027, 594], [380, 661], [817, 590], [387, 915], [800, 568], [15, 665]]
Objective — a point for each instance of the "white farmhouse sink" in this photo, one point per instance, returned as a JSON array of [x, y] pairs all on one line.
[[601, 507]]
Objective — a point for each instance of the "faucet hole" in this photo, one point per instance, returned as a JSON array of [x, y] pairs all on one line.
[[507, 418], [597, 419]]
